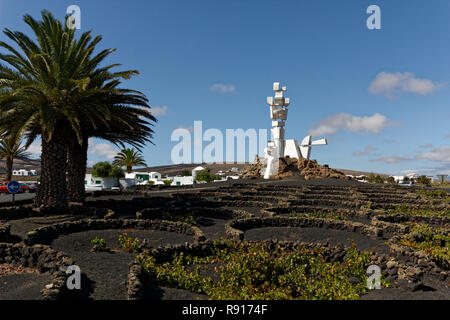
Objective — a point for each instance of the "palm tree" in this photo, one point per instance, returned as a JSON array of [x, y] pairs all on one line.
[[10, 149], [56, 89], [129, 158]]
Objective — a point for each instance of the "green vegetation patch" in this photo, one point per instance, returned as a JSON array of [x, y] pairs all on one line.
[[434, 242], [128, 243], [433, 194], [408, 211], [98, 244], [250, 271], [185, 217], [320, 214]]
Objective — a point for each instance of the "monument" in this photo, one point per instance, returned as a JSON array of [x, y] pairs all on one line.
[[278, 147]]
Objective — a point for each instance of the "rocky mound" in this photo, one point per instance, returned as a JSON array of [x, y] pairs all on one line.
[[291, 167]]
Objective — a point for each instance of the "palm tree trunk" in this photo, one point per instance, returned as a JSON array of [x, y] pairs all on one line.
[[129, 169], [9, 168], [76, 170], [52, 190]]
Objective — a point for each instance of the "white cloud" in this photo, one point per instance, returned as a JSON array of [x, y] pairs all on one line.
[[222, 88], [101, 149], [392, 159], [159, 111], [368, 151], [445, 169], [392, 84], [441, 154], [351, 123], [35, 148]]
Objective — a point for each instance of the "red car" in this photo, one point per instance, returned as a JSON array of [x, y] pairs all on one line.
[[4, 188], [3, 185], [29, 187]]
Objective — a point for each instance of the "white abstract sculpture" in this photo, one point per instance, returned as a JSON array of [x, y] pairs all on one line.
[[278, 147]]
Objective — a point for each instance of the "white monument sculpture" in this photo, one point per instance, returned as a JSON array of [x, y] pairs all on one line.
[[278, 147]]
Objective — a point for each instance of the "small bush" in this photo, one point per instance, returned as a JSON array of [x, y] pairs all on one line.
[[98, 243], [128, 244], [433, 241]]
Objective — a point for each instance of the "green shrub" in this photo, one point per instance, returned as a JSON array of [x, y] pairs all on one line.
[[432, 241], [424, 180], [128, 244], [249, 271], [206, 175], [167, 182], [433, 194], [98, 243], [186, 218], [405, 210]]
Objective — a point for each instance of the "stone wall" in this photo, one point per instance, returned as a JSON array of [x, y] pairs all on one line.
[[235, 229], [44, 259], [4, 232], [46, 234]]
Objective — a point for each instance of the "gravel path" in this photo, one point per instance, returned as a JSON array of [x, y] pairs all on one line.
[[25, 286], [20, 228], [106, 273], [334, 237]]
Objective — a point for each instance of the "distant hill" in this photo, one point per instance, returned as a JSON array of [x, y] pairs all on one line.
[[176, 169], [170, 170], [32, 164]]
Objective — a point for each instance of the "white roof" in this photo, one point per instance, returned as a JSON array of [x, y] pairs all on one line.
[[198, 168]]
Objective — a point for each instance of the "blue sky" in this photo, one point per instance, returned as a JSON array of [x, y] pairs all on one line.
[[381, 97]]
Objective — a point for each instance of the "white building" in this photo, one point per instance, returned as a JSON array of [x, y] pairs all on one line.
[[398, 179], [96, 183], [144, 177], [24, 173], [182, 181]]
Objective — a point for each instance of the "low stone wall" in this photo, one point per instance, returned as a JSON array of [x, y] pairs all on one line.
[[44, 259], [16, 203], [135, 282], [399, 274], [21, 212], [4, 232], [158, 213], [276, 210], [389, 227], [46, 234], [236, 228], [418, 258], [434, 220]]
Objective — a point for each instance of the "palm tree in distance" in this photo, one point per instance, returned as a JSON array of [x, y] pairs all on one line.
[[10, 149], [128, 158]]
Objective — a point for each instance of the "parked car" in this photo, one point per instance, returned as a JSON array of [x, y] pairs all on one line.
[[406, 184], [29, 187], [4, 188]]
